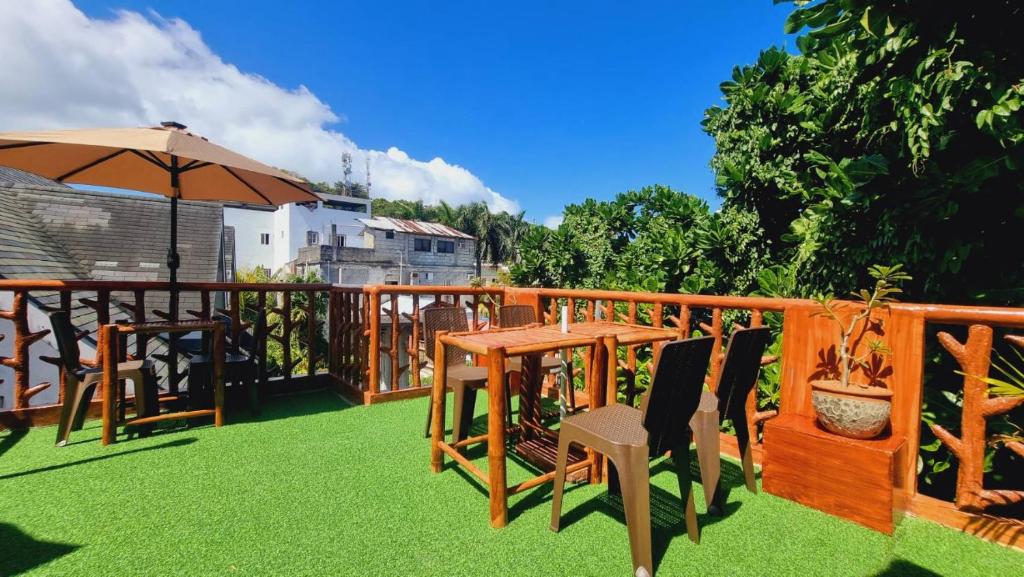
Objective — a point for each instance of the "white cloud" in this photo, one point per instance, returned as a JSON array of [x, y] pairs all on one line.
[[63, 69], [553, 221]]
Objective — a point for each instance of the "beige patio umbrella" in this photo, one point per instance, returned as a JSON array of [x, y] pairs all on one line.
[[164, 159]]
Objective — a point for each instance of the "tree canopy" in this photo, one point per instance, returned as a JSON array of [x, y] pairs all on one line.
[[499, 234]]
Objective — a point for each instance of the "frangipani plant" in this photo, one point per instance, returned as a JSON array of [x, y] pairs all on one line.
[[887, 279]]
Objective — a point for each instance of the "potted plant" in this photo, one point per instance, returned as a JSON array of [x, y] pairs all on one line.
[[852, 400]]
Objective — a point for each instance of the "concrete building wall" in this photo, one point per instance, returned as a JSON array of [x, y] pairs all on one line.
[[289, 227], [250, 225]]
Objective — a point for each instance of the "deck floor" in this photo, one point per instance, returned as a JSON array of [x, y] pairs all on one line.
[[316, 487]]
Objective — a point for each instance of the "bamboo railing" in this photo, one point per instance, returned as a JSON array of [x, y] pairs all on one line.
[[94, 304], [374, 337]]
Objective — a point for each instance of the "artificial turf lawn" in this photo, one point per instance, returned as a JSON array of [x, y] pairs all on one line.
[[316, 487]]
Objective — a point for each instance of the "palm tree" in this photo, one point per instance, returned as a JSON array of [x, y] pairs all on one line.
[[475, 219]]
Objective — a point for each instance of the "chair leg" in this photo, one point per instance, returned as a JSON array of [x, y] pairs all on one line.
[[560, 463], [508, 401], [252, 385], [681, 461], [147, 401], [746, 453], [465, 407], [430, 416], [705, 433], [636, 500], [81, 407], [73, 396]]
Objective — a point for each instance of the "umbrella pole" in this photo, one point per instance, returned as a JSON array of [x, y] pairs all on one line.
[[173, 259], [172, 264]]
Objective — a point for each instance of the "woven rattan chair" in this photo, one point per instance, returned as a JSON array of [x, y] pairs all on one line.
[[464, 380], [629, 437], [736, 378], [82, 381], [521, 316]]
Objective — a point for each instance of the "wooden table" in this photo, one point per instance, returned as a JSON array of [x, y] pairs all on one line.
[[530, 343], [109, 344]]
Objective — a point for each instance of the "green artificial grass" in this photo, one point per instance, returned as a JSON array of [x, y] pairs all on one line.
[[316, 487]]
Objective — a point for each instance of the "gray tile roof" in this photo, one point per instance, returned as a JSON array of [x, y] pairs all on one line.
[[50, 231], [11, 176]]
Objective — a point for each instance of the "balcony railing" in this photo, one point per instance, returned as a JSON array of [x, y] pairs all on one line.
[[374, 334]]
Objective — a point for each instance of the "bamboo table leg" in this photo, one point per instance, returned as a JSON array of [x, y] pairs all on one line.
[[437, 398], [611, 343], [218, 374], [108, 350], [496, 437], [596, 390]]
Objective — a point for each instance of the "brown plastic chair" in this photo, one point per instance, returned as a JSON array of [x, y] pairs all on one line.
[[737, 377], [82, 381], [464, 380], [240, 368], [630, 437]]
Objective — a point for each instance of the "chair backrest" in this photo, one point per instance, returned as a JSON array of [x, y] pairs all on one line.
[[516, 316], [739, 370], [675, 392], [67, 341], [259, 335], [451, 319]]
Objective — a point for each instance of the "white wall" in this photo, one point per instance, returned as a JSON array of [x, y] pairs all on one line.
[[288, 226], [249, 225]]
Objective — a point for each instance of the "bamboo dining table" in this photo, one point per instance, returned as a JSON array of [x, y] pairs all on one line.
[[109, 346], [604, 337]]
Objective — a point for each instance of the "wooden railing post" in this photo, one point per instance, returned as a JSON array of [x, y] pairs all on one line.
[[311, 333], [373, 354], [108, 343]]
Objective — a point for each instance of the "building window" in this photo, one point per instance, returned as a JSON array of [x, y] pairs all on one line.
[[339, 241], [264, 238], [312, 238], [389, 234], [421, 244], [446, 246]]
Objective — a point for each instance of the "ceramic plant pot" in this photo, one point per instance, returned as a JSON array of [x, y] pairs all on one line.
[[857, 412]]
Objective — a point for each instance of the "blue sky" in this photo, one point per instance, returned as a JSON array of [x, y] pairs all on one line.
[[547, 103]]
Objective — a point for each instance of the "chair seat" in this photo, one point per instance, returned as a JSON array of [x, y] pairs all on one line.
[[127, 369], [616, 424], [468, 376], [229, 358], [547, 364]]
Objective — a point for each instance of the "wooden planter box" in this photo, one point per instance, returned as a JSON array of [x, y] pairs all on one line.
[[854, 479]]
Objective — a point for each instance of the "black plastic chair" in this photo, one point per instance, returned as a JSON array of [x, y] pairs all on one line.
[[737, 377], [630, 437], [82, 381], [240, 368]]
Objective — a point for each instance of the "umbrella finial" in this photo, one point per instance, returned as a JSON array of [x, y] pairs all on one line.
[[173, 124]]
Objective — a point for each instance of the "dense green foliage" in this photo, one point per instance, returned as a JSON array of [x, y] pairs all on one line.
[[300, 327], [895, 136], [654, 239], [317, 487], [498, 234]]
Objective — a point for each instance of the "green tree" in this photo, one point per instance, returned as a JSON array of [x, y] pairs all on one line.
[[895, 136]]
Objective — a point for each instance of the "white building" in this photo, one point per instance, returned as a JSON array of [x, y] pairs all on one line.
[[270, 238]]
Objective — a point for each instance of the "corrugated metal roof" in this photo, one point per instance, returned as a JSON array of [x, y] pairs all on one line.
[[413, 227]]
